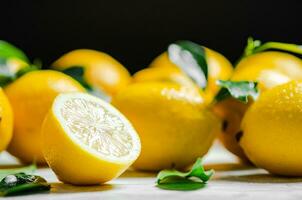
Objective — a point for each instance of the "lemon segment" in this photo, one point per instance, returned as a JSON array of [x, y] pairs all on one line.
[[97, 143]]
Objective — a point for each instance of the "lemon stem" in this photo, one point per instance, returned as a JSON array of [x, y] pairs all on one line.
[[293, 48]]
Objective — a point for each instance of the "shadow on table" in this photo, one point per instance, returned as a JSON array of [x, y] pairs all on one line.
[[67, 188], [216, 167], [228, 166], [259, 178], [241, 172], [138, 174]]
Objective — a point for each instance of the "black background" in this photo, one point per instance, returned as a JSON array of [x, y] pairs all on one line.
[[134, 32]]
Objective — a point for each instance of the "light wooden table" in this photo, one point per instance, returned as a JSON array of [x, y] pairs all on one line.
[[231, 181]]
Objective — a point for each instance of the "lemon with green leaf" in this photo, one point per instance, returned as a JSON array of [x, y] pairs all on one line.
[[203, 65], [266, 68], [100, 69]]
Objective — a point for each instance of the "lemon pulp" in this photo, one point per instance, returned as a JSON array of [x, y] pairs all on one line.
[[94, 139], [97, 127]]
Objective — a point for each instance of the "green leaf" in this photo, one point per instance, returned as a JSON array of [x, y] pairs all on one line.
[[8, 50], [7, 76], [175, 180], [38, 63], [177, 183], [239, 90], [2, 61], [27, 69], [191, 59], [21, 183], [27, 169], [77, 72]]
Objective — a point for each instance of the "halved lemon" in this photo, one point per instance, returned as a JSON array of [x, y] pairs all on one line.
[[87, 141]]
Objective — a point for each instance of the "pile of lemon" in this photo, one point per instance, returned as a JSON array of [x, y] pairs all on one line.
[[164, 116]]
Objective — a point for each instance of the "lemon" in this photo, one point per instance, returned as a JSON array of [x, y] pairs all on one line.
[[173, 122], [272, 130], [164, 75], [6, 121], [269, 69], [218, 66], [87, 141], [101, 70], [31, 96], [250, 67], [169, 75], [231, 111]]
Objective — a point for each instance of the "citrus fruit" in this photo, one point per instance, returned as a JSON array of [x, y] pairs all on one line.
[[31, 96], [269, 69], [173, 122], [231, 112], [101, 70], [6, 121], [163, 75], [272, 130], [169, 75], [96, 142], [250, 67], [219, 68]]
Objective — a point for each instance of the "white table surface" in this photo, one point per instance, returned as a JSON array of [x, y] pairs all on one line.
[[232, 180]]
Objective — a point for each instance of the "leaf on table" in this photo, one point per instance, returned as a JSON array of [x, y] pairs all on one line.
[[178, 183], [21, 183], [175, 180], [191, 59], [27, 169]]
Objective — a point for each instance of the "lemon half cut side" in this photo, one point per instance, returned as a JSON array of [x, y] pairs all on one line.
[[87, 141]]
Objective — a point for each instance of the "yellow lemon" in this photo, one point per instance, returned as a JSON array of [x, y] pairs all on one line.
[[6, 121], [101, 70], [272, 130], [218, 66], [231, 112], [250, 67], [174, 125], [172, 75], [87, 141], [269, 69], [163, 75], [31, 96]]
